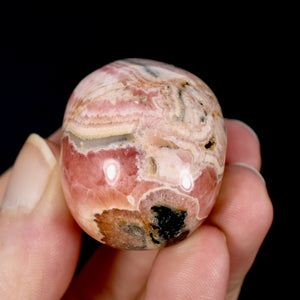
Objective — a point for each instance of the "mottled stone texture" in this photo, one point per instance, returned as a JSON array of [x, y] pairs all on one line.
[[143, 152]]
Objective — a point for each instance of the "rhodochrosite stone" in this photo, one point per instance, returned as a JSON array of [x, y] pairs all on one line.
[[143, 151]]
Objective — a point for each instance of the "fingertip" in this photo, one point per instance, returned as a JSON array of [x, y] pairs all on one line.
[[255, 187], [243, 145], [250, 168], [247, 127], [30, 174]]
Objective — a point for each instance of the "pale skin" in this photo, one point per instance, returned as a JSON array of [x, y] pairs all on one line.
[[39, 249]]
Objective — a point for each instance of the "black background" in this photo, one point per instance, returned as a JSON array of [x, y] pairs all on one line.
[[245, 54]]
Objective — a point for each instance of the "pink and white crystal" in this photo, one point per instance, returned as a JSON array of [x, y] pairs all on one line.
[[143, 153]]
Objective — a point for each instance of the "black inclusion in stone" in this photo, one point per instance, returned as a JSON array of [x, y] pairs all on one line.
[[168, 222], [146, 67], [153, 239], [150, 71], [210, 143]]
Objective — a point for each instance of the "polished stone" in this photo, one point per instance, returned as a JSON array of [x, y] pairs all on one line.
[[143, 153]]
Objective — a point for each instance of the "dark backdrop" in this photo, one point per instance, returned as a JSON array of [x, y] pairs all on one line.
[[240, 53]]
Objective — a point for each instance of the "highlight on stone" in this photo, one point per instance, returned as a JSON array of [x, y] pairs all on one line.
[[143, 153]]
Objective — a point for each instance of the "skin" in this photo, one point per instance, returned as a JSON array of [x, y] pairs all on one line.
[[39, 250]]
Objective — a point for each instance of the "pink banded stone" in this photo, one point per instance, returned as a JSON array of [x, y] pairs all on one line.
[[143, 153]]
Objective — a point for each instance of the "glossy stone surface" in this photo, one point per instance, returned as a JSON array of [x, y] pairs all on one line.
[[143, 153]]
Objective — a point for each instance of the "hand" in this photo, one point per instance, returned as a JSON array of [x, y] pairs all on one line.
[[40, 242]]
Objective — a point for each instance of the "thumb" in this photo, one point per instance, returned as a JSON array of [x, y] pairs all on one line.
[[39, 240]]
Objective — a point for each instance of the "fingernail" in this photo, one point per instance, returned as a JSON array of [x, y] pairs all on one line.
[[30, 175], [247, 127], [250, 168]]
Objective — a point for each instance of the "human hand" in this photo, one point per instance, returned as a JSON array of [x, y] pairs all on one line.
[[40, 242]]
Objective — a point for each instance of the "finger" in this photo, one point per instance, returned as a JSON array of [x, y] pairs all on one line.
[[4, 178], [53, 143], [55, 137], [244, 213], [39, 240], [112, 274], [196, 268], [242, 144]]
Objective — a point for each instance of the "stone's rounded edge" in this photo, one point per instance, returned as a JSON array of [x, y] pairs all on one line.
[[139, 232]]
